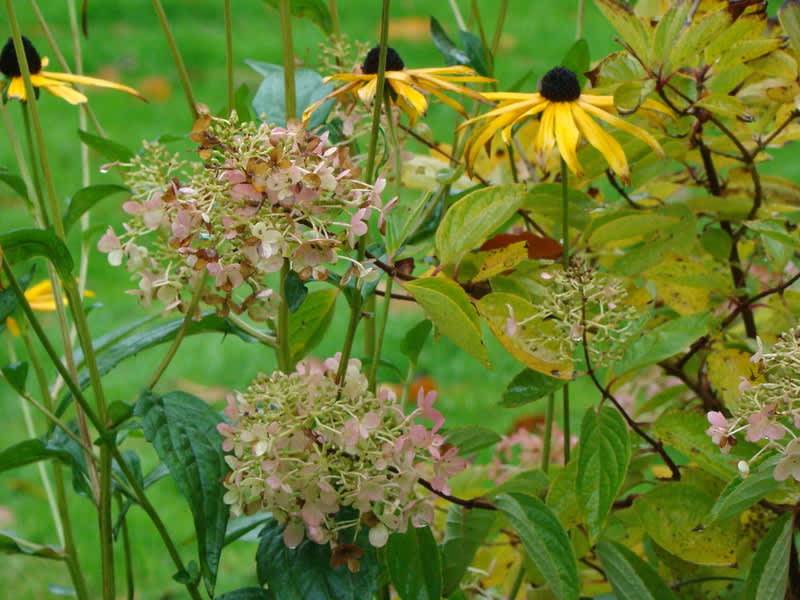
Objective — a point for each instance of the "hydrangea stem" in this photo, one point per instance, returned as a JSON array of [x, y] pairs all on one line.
[[226, 8], [547, 440], [334, 11], [565, 264], [288, 59], [183, 74], [284, 349], [376, 355], [579, 19]]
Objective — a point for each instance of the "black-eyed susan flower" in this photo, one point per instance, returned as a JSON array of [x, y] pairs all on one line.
[[57, 84], [41, 299], [566, 117], [407, 87]]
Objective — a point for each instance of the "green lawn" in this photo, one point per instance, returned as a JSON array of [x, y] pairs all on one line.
[[125, 38]]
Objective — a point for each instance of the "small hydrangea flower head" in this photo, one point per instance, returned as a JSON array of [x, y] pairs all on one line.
[[407, 87], [789, 465], [57, 84], [566, 118], [305, 448]]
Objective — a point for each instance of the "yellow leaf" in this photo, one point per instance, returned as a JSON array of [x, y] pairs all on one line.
[[725, 367], [501, 260]]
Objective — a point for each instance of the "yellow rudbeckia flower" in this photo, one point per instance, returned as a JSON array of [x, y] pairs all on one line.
[[41, 299], [407, 87], [566, 117], [57, 84]]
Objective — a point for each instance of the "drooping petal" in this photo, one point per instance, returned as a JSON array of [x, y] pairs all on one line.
[[480, 137], [448, 100], [567, 135], [337, 93], [517, 107], [602, 140], [545, 137], [607, 102], [367, 92], [429, 83], [414, 97], [93, 81], [513, 96], [624, 126], [16, 89], [65, 92]]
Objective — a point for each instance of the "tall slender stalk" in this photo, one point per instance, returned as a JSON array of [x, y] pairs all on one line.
[[226, 8], [580, 17], [376, 354], [290, 94], [284, 348], [498, 28], [547, 440], [380, 85], [183, 74], [334, 11], [565, 265]]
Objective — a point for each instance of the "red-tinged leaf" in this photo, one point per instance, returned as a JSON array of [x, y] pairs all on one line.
[[538, 246]]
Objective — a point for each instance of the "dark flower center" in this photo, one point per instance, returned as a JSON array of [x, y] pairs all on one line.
[[560, 85], [9, 65], [393, 61]]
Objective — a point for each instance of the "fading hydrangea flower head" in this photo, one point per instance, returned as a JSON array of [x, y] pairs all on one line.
[[303, 447], [258, 197]]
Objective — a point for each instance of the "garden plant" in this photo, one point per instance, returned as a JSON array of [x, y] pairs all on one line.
[[609, 234]]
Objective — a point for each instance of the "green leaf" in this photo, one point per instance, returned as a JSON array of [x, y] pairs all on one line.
[[789, 16], [669, 28], [305, 572], [28, 452], [85, 199], [22, 244], [630, 577], [604, 454], [314, 10], [529, 385], [10, 544], [449, 307], [248, 593], [414, 340], [475, 51], [628, 26], [15, 182], [673, 515], [106, 148], [465, 531], [740, 494], [533, 482], [685, 431], [269, 103], [16, 375], [450, 52], [414, 564], [689, 47], [471, 220], [183, 431], [241, 102], [545, 541], [663, 342], [472, 438], [626, 227], [308, 324], [769, 573], [296, 291], [577, 59], [544, 201], [241, 526]]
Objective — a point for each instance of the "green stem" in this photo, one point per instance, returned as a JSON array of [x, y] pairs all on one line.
[[126, 552], [180, 335], [517, 583], [547, 442], [288, 59], [334, 11], [35, 176], [284, 348], [226, 9], [380, 87], [183, 74], [250, 330], [350, 335], [498, 29], [457, 15], [376, 355], [579, 19], [32, 201], [151, 512], [565, 265]]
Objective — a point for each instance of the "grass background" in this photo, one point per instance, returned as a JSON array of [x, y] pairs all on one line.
[[125, 43]]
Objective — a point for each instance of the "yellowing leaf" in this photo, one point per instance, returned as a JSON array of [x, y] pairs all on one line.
[[631, 28], [501, 260], [685, 285], [450, 309], [725, 367], [624, 230], [694, 40], [473, 218], [536, 342]]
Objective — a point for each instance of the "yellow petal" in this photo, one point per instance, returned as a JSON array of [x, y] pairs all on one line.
[[624, 126], [43, 288], [348, 77], [567, 136], [367, 92], [16, 89], [608, 102], [520, 108], [430, 83], [93, 81], [338, 92], [452, 70], [448, 101], [545, 137], [602, 140], [44, 304], [483, 135], [416, 98], [13, 328], [70, 94], [514, 96]]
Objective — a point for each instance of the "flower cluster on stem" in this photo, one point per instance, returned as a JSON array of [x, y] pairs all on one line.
[[303, 447], [259, 196]]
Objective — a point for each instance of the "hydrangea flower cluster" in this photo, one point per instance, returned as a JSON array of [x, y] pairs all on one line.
[[523, 449], [769, 408], [580, 302], [303, 447], [260, 196]]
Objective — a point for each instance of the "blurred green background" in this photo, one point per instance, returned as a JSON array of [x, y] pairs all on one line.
[[125, 43]]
